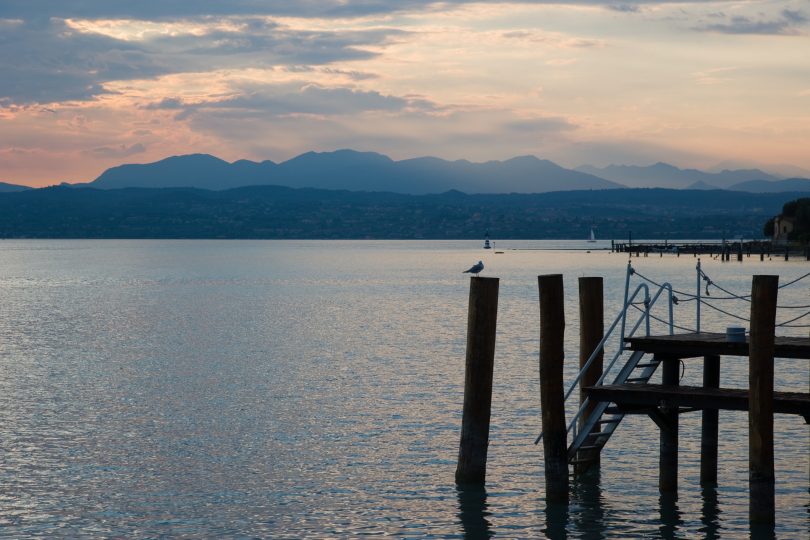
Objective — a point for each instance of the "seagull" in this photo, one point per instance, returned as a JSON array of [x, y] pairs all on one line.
[[474, 269]]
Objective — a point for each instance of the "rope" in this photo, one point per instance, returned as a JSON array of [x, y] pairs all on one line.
[[794, 281], [662, 321], [659, 285], [705, 300], [724, 311], [786, 323]]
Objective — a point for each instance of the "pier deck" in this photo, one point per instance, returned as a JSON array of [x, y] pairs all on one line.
[[695, 397], [706, 343]]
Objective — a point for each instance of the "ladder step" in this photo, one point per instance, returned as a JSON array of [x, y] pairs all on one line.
[[581, 461], [589, 447], [609, 421], [637, 379], [654, 364], [597, 434]]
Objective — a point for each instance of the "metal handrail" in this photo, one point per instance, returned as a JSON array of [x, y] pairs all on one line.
[[644, 316], [621, 317]]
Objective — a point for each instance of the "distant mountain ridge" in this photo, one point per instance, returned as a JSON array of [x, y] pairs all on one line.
[[369, 171], [355, 171], [10, 188], [668, 176], [777, 186]]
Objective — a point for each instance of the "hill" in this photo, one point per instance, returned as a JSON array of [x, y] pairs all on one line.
[[282, 212]]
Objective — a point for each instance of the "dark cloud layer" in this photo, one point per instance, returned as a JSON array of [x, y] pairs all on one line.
[[788, 23], [47, 61], [184, 9]]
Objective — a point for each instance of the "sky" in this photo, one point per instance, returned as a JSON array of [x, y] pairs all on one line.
[[90, 84]]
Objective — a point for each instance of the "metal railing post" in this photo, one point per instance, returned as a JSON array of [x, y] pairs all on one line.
[[697, 308]]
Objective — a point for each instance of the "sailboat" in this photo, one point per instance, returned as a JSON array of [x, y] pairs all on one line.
[[592, 237], [487, 244]]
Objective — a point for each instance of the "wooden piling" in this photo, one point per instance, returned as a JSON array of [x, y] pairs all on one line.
[[552, 327], [481, 323], [787, 253], [764, 291], [668, 438], [591, 330], [709, 427]]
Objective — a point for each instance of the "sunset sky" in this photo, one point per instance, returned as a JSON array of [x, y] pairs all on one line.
[[88, 84]]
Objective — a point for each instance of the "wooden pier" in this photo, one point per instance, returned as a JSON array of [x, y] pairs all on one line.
[[725, 250], [636, 397], [664, 402], [633, 393]]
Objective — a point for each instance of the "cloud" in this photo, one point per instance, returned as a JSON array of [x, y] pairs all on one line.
[[539, 126], [560, 41], [786, 24], [120, 151], [290, 99]]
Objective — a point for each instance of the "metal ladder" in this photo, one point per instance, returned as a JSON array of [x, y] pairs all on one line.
[[603, 420], [598, 428]]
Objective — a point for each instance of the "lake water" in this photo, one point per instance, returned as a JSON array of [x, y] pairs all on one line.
[[313, 389]]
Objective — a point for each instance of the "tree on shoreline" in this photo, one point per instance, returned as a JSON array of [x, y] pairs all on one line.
[[796, 216]]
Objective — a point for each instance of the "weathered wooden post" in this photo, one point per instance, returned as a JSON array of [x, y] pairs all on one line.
[[762, 255], [739, 252], [787, 253], [764, 291], [668, 438], [709, 427], [552, 328], [482, 318], [591, 330]]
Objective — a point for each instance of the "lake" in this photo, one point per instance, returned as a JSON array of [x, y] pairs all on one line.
[[294, 389]]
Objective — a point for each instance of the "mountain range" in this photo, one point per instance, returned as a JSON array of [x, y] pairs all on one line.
[[355, 171], [368, 171]]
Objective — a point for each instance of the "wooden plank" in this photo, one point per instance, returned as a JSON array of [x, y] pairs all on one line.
[[552, 405], [482, 318], [709, 428], [733, 399], [668, 436], [762, 480], [591, 330], [709, 343]]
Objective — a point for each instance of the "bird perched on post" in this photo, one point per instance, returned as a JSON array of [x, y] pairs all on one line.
[[474, 269]]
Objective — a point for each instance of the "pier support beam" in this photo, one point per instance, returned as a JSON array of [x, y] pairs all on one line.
[[761, 478], [709, 427], [591, 330], [668, 438], [552, 328], [481, 323]]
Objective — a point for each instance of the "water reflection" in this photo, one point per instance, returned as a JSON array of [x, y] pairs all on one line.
[[557, 518], [710, 513], [670, 516], [586, 495], [763, 531], [472, 512]]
